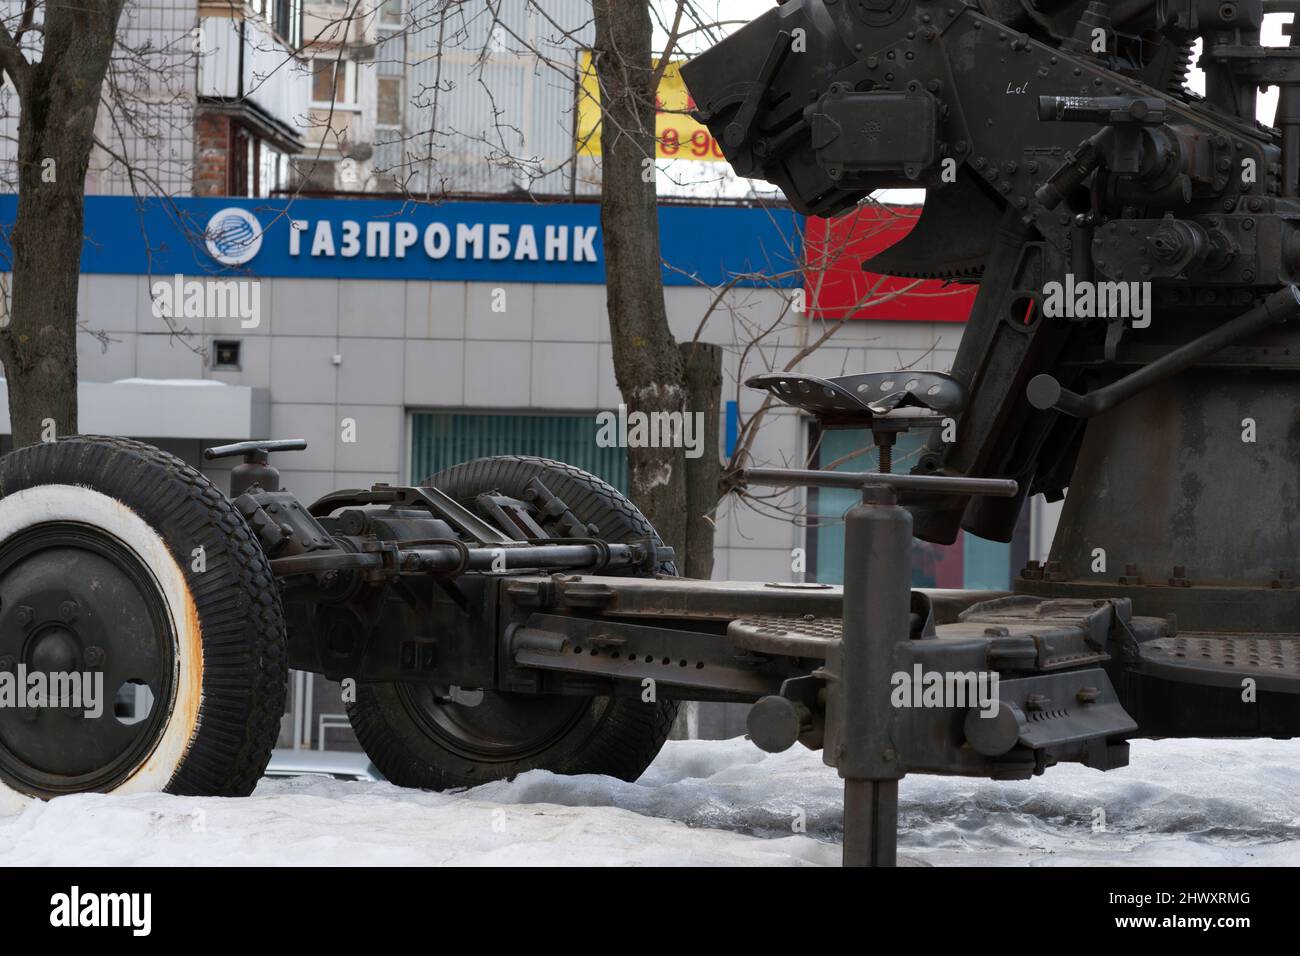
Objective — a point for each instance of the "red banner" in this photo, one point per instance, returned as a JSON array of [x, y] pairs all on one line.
[[836, 287]]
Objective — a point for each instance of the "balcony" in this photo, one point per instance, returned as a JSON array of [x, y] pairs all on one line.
[[245, 66]]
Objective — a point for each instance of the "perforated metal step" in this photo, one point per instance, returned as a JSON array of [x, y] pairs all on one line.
[[803, 635], [1226, 658]]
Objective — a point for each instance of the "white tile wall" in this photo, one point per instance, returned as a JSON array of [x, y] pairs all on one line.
[[371, 372], [498, 374], [378, 438], [168, 356], [499, 310], [435, 310], [434, 372], [371, 307], [303, 369], [105, 361], [565, 375], [569, 313], [304, 306], [113, 302]]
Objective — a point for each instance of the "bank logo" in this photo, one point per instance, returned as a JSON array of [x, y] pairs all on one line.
[[233, 236]]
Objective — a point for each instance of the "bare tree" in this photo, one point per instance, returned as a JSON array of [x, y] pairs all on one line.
[[58, 94], [647, 364]]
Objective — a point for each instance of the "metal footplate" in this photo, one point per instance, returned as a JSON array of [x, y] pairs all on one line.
[[1023, 633], [1225, 659], [802, 635]]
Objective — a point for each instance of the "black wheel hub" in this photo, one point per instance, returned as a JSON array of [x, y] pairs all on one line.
[[75, 601], [498, 727]]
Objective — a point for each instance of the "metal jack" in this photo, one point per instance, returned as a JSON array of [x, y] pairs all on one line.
[[877, 594], [877, 618]]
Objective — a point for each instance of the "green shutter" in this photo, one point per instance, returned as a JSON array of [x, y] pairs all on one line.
[[440, 440]]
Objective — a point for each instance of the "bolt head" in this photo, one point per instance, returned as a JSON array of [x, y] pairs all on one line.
[[94, 656], [24, 614], [68, 610]]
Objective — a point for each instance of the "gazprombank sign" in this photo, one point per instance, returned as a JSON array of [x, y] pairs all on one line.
[[451, 241]]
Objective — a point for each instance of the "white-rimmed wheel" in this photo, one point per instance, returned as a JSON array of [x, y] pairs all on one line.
[[121, 564]]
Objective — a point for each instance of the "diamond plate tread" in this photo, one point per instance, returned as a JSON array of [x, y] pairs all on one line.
[[1026, 609], [808, 635], [1275, 655], [791, 635]]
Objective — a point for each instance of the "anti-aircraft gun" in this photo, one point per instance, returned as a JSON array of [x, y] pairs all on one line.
[[1071, 174], [1061, 151], [515, 613]]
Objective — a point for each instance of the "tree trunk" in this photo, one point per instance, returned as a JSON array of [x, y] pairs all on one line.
[[59, 97], [647, 365], [703, 371]]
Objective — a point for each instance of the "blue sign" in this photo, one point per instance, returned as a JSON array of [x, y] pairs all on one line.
[[391, 239]]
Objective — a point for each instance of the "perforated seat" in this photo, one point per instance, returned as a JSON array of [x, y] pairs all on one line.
[[868, 397]]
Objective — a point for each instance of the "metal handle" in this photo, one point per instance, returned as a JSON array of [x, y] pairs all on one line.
[[923, 484], [255, 447], [1044, 391]]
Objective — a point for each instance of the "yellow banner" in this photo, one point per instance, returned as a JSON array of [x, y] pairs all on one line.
[[678, 136]]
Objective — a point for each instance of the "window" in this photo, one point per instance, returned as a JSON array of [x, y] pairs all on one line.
[[388, 111], [241, 175], [390, 13], [970, 562], [333, 81], [256, 168], [282, 16], [440, 440], [225, 355], [272, 169]]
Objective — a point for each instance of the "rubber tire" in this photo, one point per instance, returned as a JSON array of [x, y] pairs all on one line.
[[616, 737], [243, 662]]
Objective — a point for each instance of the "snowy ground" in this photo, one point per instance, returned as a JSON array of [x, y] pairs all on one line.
[[706, 803]]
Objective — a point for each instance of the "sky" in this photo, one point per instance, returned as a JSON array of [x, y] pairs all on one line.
[[729, 14]]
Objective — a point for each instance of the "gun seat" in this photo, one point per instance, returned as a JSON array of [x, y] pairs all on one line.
[[876, 400]]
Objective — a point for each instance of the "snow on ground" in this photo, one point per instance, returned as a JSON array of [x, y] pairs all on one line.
[[1232, 802]]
